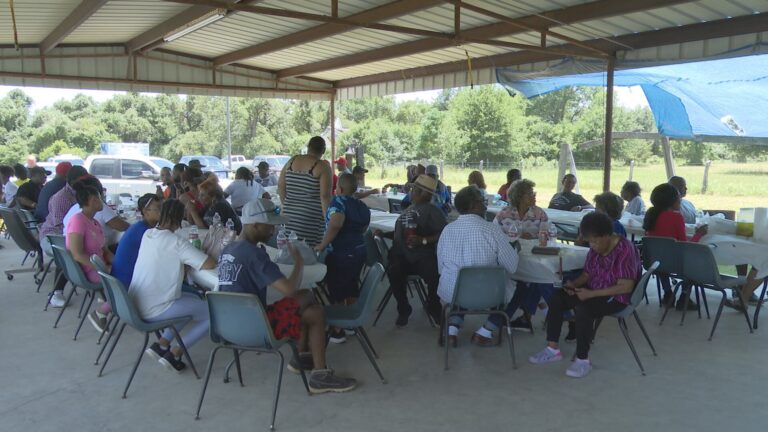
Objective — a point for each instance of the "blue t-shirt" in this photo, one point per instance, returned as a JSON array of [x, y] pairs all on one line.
[[245, 267], [357, 217], [618, 228], [127, 252], [49, 189]]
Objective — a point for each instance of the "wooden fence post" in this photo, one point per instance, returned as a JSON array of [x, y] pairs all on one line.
[[441, 169], [631, 169], [705, 183]]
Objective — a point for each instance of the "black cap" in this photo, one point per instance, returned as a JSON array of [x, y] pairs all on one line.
[[359, 169], [39, 170]]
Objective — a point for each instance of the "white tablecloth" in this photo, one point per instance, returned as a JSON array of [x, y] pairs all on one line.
[[383, 221], [209, 279], [381, 201], [544, 268]]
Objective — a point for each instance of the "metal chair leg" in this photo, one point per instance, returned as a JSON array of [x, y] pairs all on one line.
[[136, 366], [111, 349], [698, 300], [109, 335], [208, 369], [510, 341], [45, 273], [645, 333], [277, 388], [66, 303], [717, 316], [704, 300], [671, 302], [82, 319], [444, 332], [184, 351], [372, 359], [625, 332], [361, 332], [760, 304], [295, 352], [87, 295], [239, 370], [687, 295], [385, 302]]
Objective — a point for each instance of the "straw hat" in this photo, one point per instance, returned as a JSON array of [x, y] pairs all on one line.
[[426, 183]]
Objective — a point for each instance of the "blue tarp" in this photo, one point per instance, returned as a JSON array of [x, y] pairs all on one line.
[[688, 100]]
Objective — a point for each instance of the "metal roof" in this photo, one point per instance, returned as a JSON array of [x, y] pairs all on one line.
[[349, 48]]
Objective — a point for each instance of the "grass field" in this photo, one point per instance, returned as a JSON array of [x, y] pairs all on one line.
[[731, 185]]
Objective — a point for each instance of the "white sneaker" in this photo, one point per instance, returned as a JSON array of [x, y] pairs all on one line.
[[547, 355], [57, 299], [579, 368]]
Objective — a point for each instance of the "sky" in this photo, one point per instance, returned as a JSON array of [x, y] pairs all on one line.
[[629, 97]]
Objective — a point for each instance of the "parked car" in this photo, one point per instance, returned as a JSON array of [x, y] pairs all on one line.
[[275, 162], [210, 164], [237, 161], [73, 159], [134, 175]]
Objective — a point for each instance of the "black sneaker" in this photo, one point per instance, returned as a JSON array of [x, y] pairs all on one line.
[[156, 351], [337, 336], [521, 324], [667, 300], [304, 362], [172, 363], [571, 332], [323, 381], [402, 317]]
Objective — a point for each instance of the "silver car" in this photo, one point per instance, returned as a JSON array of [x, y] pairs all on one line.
[[134, 175]]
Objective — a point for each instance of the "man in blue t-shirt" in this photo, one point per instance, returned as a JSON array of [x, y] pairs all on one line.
[[245, 267]]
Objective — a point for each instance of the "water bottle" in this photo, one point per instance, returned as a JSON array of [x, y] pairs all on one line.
[[229, 234], [282, 239], [293, 238], [194, 237], [216, 220], [552, 232]]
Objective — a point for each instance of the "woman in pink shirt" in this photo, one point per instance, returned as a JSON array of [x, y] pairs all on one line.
[[610, 272], [84, 234]]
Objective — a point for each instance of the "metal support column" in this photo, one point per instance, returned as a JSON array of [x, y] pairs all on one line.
[[608, 125], [332, 121]]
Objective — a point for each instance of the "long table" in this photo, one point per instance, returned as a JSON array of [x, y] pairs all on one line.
[[531, 267], [381, 201], [209, 279]]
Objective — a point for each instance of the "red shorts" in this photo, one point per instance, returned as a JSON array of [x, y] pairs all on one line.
[[285, 319]]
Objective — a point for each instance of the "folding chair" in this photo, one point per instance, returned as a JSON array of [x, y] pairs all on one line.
[[123, 307], [357, 315], [74, 274], [700, 269], [25, 240], [478, 291], [239, 322], [395, 206]]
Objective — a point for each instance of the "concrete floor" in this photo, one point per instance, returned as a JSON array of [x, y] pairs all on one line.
[[48, 381]]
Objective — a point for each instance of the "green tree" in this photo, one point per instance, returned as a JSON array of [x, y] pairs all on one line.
[[60, 147]]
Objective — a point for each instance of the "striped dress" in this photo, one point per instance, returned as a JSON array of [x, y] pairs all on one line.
[[303, 206]]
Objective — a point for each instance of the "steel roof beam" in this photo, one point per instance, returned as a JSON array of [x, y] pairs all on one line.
[[381, 13], [82, 12], [747, 24], [569, 15]]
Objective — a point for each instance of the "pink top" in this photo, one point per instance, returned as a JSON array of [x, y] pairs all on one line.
[[93, 240], [622, 262], [671, 224], [530, 223]]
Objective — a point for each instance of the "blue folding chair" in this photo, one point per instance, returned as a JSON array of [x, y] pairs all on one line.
[[74, 274], [357, 315], [239, 322], [123, 307], [479, 291]]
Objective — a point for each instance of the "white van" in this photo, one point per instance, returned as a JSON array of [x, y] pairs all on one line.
[[134, 175]]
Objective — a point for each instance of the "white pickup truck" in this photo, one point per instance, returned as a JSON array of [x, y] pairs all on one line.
[[238, 161], [134, 175]]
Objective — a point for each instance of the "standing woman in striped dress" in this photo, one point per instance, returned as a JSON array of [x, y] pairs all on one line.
[[305, 191]]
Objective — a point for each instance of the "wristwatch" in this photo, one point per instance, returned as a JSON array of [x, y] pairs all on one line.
[[424, 241]]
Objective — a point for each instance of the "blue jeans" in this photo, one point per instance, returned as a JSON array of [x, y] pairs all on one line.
[[527, 296]]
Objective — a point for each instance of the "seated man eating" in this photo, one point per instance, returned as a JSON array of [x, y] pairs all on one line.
[[610, 272], [245, 267]]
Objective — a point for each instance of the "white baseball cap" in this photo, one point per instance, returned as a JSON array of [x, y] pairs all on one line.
[[262, 211]]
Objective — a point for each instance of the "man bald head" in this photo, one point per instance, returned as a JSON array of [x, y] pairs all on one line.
[[347, 184]]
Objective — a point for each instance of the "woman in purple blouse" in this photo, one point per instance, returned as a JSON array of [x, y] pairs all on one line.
[[610, 272]]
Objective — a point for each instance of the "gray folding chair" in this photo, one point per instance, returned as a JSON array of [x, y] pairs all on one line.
[[123, 307], [413, 283], [637, 297], [60, 241], [239, 322], [478, 291], [395, 206], [25, 240], [112, 321], [74, 274], [700, 269], [356, 316], [661, 249]]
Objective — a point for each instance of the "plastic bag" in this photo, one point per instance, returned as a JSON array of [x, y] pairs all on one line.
[[308, 255], [215, 239]]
